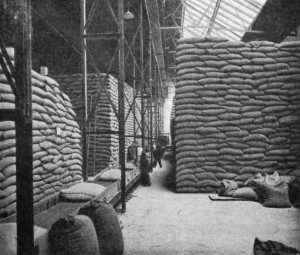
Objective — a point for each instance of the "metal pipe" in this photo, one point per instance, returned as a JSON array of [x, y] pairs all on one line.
[[102, 36], [155, 102], [84, 89], [213, 18], [121, 104], [23, 123], [159, 107], [151, 102], [142, 75], [134, 97], [95, 140]]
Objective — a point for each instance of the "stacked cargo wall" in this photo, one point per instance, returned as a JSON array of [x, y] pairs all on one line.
[[172, 123], [103, 148], [56, 136], [237, 111]]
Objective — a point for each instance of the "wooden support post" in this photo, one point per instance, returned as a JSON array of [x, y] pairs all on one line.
[[84, 89], [121, 104], [23, 120]]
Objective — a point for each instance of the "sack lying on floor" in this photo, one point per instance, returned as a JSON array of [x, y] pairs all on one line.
[[228, 188], [272, 248], [270, 179], [248, 193], [277, 196]]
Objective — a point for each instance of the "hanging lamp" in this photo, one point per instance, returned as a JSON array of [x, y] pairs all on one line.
[[128, 14]]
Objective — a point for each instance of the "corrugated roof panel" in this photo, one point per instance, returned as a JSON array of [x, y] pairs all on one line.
[[232, 11], [235, 24], [225, 18], [196, 16], [246, 13], [200, 10], [234, 16]]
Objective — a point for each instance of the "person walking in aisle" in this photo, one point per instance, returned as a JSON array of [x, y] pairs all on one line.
[[158, 154], [144, 167], [155, 156]]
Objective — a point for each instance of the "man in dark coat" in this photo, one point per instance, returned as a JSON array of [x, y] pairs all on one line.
[[144, 167], [158, 154]]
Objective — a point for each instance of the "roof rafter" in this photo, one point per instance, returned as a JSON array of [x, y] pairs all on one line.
[[213, 18]]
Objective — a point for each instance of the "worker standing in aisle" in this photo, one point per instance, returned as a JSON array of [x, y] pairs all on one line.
[[132, 153], [158, 154], [144, 167]]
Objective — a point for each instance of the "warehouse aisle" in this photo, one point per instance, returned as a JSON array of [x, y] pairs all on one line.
[[159, 221]]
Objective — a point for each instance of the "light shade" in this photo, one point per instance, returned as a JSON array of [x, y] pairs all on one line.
[[128, 15]]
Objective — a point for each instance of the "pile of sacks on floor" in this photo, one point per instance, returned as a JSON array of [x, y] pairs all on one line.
[[103, 147], [237, 111], [271, 247], [95, 230], [56, 137], [272, 190]]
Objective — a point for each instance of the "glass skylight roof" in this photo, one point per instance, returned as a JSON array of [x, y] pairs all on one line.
[[222, 18]]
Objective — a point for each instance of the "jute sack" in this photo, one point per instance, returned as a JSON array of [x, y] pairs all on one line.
[[229, 44], [108, 229], [73, 236], [187, 190], [186, 177], [186, 183], [190, 51]]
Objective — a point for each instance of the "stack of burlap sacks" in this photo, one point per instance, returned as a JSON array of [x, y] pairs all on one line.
[[57, 158], [237, 111], [103, 151], [172, 123]]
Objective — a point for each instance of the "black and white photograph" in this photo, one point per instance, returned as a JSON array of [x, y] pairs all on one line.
[[149, 127]]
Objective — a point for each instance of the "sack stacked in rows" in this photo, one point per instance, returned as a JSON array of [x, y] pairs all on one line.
[[103, 147], [57, 159], [237, 111], [172, 122]]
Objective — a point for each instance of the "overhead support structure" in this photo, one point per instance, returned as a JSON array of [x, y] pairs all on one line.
[[158, 50], [87, 40], [151, 98], [141, 84], [214, 28], [88, 58]]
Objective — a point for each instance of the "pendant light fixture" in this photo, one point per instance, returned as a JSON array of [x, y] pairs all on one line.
[[128, 15]]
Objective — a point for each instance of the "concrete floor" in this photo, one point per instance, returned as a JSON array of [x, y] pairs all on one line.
[[159, 221]]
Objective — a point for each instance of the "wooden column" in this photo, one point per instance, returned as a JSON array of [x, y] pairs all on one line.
[[121, 104], [23, 120], [84, 90]]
